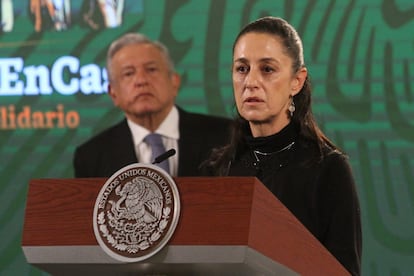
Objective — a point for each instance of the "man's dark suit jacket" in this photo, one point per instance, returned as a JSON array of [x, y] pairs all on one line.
[[113, 149]]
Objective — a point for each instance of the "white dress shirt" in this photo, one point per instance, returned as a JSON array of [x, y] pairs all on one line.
[[170, 135]]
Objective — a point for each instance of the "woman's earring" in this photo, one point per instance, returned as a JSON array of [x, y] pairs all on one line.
[[292, 107]]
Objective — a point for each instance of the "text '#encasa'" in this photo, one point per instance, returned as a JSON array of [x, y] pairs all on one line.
[[65, 76]]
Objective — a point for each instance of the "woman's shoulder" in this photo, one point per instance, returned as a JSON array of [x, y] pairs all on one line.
[[335, 164], [311, 151]]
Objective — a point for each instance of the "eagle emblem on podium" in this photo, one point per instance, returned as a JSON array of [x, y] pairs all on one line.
[[136, 212]]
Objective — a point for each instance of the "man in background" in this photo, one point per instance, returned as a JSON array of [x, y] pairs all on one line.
[[144, 85]]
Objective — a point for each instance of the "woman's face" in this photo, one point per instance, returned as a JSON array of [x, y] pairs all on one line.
[[263, 82]]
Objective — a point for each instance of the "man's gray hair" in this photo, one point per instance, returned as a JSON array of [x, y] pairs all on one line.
[[135, 38]]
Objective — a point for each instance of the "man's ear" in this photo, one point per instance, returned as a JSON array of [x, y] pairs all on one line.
[[176, 81], [113, 95], [299, 80]]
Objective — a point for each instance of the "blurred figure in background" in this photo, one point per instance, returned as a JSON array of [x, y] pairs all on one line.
[[47, 14], [143, 83], [103, 13], [7, 16]]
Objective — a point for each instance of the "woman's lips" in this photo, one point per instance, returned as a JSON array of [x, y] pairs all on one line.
[[253, 100]]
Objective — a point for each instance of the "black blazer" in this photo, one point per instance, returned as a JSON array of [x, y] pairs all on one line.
[[113, 149]]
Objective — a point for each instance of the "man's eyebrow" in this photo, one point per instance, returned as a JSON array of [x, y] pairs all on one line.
[[127, 66], [151, 62]]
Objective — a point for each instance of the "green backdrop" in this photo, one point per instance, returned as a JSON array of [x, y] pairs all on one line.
[[360, 58]]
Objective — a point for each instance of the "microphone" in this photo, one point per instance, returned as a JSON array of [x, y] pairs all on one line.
[[164, 156]]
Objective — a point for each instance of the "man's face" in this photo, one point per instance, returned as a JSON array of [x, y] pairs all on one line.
[[141, 81]]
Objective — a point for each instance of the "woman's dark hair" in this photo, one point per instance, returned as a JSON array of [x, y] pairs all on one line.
[[302, 117]]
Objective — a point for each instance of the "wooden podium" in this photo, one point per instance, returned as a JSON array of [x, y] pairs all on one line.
[[227, 226]]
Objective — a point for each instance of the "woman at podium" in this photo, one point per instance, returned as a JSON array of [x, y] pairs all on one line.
[[277, 139]]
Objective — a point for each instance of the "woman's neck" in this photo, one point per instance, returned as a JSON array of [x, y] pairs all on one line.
[[261, 129]]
